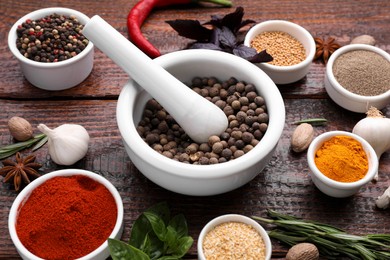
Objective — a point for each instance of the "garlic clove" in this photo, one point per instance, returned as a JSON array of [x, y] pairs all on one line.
[[383, 201], [67, 143]]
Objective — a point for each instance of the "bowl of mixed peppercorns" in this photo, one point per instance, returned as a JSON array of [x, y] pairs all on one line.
[[51, 49], [165, 154]]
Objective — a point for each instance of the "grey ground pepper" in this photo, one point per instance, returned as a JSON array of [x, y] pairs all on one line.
[[363, 72], [247, 116]]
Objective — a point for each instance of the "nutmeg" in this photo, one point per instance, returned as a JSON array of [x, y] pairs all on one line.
[[363, 39], [303, 251], [302, 137], [20, 128]]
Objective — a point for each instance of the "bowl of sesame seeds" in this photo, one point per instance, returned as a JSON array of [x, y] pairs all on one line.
[[234, 236], [291, 46], [51, 49]]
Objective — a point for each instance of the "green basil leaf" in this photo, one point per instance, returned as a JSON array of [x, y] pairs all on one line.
[[121, 251], [179, 224], [171, 240], [157, 224], [184, 244], [168, 258], [141, 228], [161, 210], [154, 247]]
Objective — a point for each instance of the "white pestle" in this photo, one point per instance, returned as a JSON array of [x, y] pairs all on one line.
[[199, 117]]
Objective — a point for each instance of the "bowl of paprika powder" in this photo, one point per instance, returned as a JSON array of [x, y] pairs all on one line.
[[341, 163], [66, 214]]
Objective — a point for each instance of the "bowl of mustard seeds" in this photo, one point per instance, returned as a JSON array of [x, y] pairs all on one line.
[[291, 46]]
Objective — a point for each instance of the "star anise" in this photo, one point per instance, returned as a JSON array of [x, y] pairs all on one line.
[[325, 48], [20, 170]]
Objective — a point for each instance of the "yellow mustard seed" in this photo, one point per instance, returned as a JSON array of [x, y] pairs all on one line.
[[284, 48]]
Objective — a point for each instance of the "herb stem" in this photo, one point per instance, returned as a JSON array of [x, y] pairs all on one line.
[[332, 242], [312, 121], [8, 150]]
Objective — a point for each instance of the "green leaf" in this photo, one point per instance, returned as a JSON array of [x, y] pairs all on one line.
[[179, 224], [121, 251], [157, 224], [183, 246], [161, 210], [8, 150], [141, 228]]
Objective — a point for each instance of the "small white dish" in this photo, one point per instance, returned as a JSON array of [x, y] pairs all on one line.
[[345, 98], [234, 218], [54, 75], [100, 253], [335, 188], [285, 74]]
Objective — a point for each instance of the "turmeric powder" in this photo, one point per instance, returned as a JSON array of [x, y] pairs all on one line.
[[342, 159]]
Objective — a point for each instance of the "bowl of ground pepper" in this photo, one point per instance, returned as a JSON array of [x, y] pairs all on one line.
[[358, 77], [66, 214], [162, 151], [51, 49], [291, 46], [234, 236], [341, 163]]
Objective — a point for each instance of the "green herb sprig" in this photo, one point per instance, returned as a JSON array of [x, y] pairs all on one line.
[[154, 236], [312, 121], [8, 150], [332, 242]]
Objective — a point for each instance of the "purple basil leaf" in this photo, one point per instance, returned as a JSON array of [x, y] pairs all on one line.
[[262, 56], [251, 54], [209, 46], [191, 29], [244, 51], [215, 36], [233, 20], [246, 22], [227, 38]]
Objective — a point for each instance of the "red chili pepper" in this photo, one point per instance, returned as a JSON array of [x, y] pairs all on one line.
[[141, 11]]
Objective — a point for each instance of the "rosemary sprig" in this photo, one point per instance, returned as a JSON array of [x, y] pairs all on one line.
[[312, 121], [332, 242], [8, 150]]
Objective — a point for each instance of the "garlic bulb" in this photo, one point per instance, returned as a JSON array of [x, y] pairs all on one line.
[[383, 201], [375, 130], [68, 143]]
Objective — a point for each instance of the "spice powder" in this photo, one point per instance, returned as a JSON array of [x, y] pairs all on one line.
[[284, 48], [233, 240], [362, 72]]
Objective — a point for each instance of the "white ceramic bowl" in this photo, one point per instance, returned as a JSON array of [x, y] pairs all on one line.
[[285, 74], [102, 252], [345, 98], [200, 180], [335, 188], [234, 218], [54, 75]]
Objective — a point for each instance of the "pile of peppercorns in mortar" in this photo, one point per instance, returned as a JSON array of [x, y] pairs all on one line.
[[246, 112], [50, 39]]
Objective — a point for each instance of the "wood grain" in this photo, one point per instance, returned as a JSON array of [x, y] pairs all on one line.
[[284, 185]]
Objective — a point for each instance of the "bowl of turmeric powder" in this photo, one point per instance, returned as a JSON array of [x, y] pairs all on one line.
[[341, 163]]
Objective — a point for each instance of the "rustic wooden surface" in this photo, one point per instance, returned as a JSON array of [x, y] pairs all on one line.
[[284, 185]]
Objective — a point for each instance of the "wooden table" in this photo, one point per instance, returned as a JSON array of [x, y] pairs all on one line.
[[284, 185]]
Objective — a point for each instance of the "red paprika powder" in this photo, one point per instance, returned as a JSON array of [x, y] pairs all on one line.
[[66, 217]]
